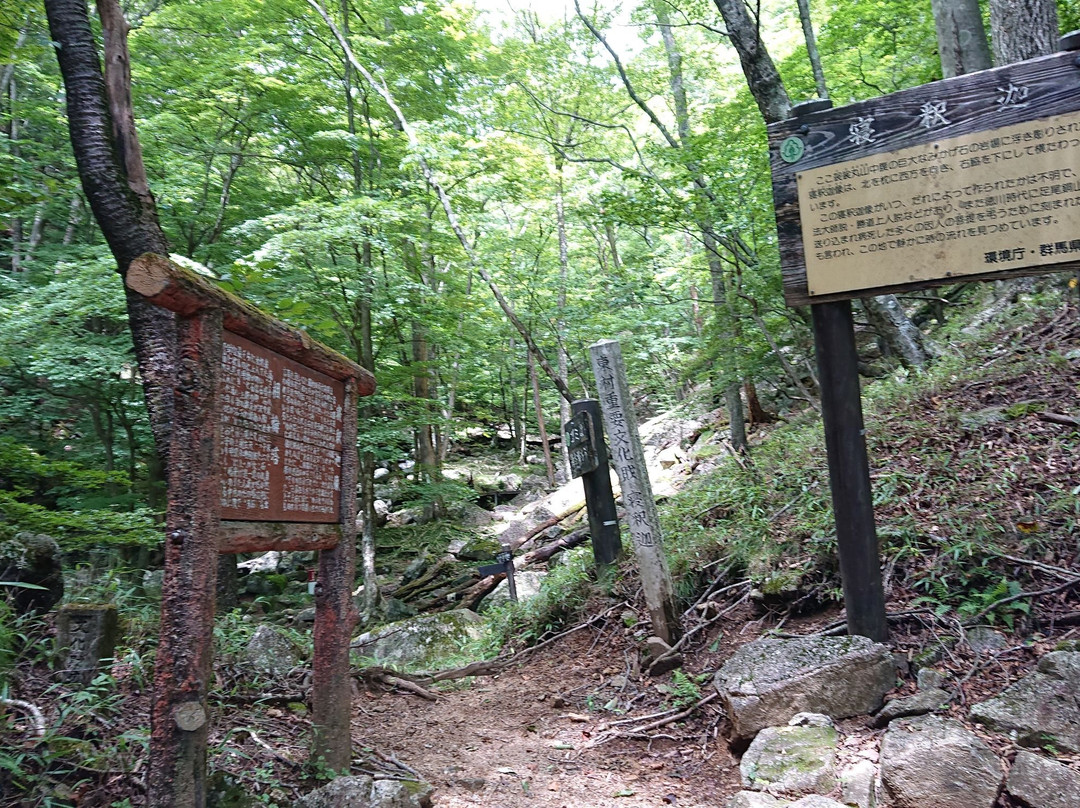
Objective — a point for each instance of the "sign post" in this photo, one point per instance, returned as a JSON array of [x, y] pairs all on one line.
[[262, 456], [975, 177], [584, 436], [637, 496]]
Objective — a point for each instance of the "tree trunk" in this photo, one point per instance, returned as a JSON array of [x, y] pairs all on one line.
[[540, 424], [129, 222], [1023, 29], [758, 67], [901, 335], [560, 325], [811, 48], [961, 37]]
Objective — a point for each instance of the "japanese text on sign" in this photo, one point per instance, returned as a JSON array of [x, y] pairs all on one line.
[[281, 429], [993, 200]]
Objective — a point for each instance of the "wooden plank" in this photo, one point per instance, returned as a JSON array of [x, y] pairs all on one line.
[[180, 290], [920, 117], [255, 537]]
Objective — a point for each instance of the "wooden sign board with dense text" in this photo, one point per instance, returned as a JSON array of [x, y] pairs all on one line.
[[975, 177]]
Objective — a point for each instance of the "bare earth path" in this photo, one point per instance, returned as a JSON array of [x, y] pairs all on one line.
[[524, 738]]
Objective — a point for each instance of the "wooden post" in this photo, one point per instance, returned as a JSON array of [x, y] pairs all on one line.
[[849, 470], [599, 498], [637, 496], [176, 775], [335, 617]]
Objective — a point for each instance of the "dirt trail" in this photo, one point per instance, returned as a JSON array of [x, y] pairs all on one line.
[[519, 738]]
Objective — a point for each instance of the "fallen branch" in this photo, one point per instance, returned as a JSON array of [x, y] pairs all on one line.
[[1060, 572], [1019, 596], [273, 752], [639, 732], [548, 550], [1057, 418], [405, 684], [36, 716], [540, 528]]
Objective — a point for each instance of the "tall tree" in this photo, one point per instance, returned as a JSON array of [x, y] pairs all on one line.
[[961, 37], [1023, 29]]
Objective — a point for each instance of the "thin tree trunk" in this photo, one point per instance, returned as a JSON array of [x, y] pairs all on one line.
[[73, 219], [961, 37], [541, 424], [758, 67], [901, 335], [16, 226], [560, 324], [812, 49]]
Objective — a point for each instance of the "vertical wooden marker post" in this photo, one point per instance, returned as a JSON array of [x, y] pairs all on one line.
[[584, 436], [637, 496]]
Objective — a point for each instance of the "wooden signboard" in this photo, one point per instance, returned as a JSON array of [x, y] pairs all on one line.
[[280, 437], [976, 177], [262, 456], [580, 444]]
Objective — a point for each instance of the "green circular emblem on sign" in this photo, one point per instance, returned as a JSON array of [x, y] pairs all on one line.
[[792, 149]]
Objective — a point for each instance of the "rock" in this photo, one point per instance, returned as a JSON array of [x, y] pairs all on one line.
[[420, 641], [1040, 708], [471, 515], [985, 640], [932, 761], [657, 647], [929, 678], [858, 785], [817, 801], [921, 703], [755, 799], [791, 760], [151, 583], [810, 720], [482, 548], [973, 421], [270, 651], [394, 610], [267, 562], [1043, 783], [364, 792], [85, 636], [768, 681], [304, 616], [417, 567], [527, 584], [32, 558], [380, 474]]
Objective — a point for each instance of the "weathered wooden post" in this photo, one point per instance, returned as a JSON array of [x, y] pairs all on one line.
[[262, 457], [637, 496], [974, 178], [584, 436]]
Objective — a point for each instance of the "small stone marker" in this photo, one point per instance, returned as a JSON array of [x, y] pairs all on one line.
[[85, 636], [629, 459]]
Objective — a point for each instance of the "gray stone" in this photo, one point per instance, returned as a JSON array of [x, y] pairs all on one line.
[[929, 678], [527, 584], [364, 792], [810, 720], [932, 761], [420, 641], [479, 549], [417, 567], [985, 640], [755, 799], [816, 801], [271, 652], [32, 558], [1043, 783], [85, 635], [921, 703], [267, 562], [1041, 708], [768, 681], [151, 583], [858, 785], [657, 647], [791, 760]]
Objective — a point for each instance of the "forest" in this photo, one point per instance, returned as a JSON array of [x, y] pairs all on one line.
[[461, 197]]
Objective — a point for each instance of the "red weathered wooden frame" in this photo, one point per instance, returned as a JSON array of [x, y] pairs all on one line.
[[196, 534]]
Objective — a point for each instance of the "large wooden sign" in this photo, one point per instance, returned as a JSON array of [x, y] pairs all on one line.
[[280, 437], [975, 177]]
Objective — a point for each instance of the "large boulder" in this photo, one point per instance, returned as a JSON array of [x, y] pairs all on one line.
[[937, 761], [755, 799], [362, 791], [420, 641], [1043, 783], [34, 559], [768, 681], [791, 760], [526, 583], [1041, 708], [270, 652]]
